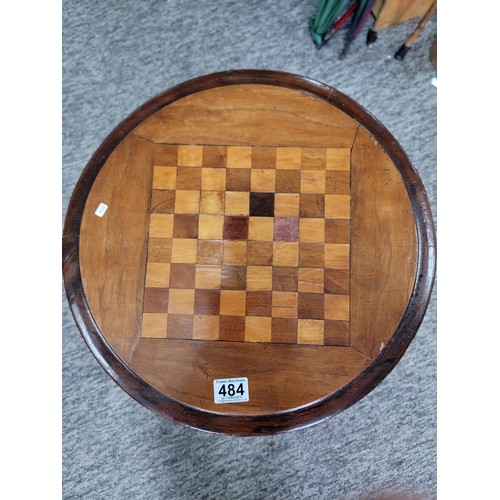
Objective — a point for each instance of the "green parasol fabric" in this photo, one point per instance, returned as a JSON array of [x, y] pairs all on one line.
[[328, 11]]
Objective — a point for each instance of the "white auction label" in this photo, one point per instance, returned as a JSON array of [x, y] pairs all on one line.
[[231, 390], [101, 209]]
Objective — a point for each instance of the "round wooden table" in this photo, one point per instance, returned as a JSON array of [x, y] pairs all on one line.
[[249, 252]]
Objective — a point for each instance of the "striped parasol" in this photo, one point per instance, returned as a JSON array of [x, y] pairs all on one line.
[[359, 19], [323, 20]]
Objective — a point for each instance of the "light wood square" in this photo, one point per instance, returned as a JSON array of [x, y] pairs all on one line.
[[184, 250], [337, 307], [338, 159], [285, 254], [338, 206], [263, 180], [257, 329], [311, 331], [208, 276], [158, 275], [233, 302], [288, 158], [164, 177], [259, 278], [237, 203], [312, 230], [285, 299], [261, 228], [239, 157], [313, 159], [213, 179], [161, 225], [285, 304], [212, 202], [181, 301], [337, 255], [235, 252], [284, 312], [210, 227], [312, 181], [187, 202], [206, 327], [154, 325], [311, 280], [190, 156], [286, 204]]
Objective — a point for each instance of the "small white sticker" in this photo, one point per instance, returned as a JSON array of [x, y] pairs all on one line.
[[231, 390], [101, 209]]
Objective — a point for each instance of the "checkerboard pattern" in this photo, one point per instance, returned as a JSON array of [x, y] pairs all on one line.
[[249, 244]]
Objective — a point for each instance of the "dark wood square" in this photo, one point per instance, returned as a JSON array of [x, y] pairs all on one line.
[[232, 328], [163, 201], [337, 231], [210, 251], [336, 332], [155, 300], [287, 181], [180, 326], [263, 157], [207, 302], [313, 158], [165, 155], [337, 281], [160, 250], [286, 229], [185, 226], [260, 253], [259, 303], [311, 255], [214, 156], [234, 278], [188, 178], [238, 179], [182, 275], [261, 204], [311, 305], [338, 182], [312, 205], [235, 228], [284, 330], [285, 279]]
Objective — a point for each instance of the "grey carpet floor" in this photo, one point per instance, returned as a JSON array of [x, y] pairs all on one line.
[[116, 55]]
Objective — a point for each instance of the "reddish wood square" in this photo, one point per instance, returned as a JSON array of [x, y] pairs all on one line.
[[235, 228]]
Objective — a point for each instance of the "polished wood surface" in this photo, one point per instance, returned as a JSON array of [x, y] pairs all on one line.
[[251, 115], [383, 246], [281, 376], [285, 249], [113, 247]]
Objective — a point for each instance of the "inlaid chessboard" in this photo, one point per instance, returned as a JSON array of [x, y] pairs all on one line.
[[249, 244]]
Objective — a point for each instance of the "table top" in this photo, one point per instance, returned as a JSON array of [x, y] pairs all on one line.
[[249, 225]]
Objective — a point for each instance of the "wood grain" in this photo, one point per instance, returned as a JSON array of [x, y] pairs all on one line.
[[117, 242], [185, 371], [253, 115], [383, 246]]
